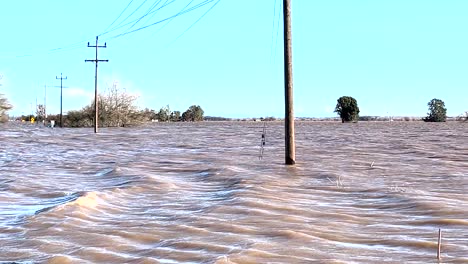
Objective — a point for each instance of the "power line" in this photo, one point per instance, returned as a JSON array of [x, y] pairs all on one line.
[[273, 29], [133, 13], [121, 13], [128, 23], [198, 20], [153, 6], [274, 39], [170, 20], [156, 11], [153, 10], [199, 5], [278, 25]]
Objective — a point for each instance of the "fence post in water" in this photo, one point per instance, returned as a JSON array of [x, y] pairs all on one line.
[[439, 245], [288, 86]]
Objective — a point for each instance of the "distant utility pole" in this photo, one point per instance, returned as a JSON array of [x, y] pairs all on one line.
[[45, 101], [96, 110], [288, 86], [61, 88]]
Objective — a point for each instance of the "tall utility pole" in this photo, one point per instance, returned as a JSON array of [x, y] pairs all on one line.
[[96, 61], [61, 88], [288, 86]]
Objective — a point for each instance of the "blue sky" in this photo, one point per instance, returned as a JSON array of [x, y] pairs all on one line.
[[393, 56]]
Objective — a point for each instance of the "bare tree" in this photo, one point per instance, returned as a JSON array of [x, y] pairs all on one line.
[[40, 112], [4, 105], [117, 107], [463, 117]]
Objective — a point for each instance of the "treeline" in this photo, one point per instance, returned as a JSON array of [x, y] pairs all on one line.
[[348, 110], [117, 108]]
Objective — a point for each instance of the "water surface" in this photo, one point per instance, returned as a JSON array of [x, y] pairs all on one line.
[[372, 192]]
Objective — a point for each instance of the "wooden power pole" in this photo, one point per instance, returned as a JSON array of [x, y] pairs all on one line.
[[61, 94], [288, 86], [96, 109]]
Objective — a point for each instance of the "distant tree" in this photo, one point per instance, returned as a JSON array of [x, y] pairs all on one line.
[[347, 108], [116, 108], [4, 107], [148, 114], [437, 111], [194, 113], [40, 113], [164, 114], [175, 116]]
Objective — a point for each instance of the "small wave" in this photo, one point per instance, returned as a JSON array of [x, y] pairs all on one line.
[[17, 214], [89, 200], [52, 203], [104, 172]]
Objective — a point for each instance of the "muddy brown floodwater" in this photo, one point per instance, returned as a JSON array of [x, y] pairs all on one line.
[[372, 192]]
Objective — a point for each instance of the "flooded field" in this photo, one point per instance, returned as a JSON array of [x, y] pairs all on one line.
[[372, 192]]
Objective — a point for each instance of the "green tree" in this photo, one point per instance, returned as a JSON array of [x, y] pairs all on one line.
[[81, 118], [148, 114], [164, 114], [194, 113], [347, 108], [437, 111], [175, 116]]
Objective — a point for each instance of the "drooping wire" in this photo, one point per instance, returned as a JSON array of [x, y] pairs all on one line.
[[154, 13], [198, 20], [147, 12], [128, 23], [273, 30], [151, 11], [134, 11], [278, 24], [170, 20], [275, 45], [199, 5], [121, 13]]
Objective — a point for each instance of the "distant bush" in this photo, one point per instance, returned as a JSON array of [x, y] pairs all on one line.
[[368, 118]]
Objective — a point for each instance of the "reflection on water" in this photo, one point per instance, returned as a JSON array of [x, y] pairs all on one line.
[[198, 193]]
